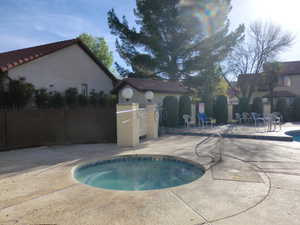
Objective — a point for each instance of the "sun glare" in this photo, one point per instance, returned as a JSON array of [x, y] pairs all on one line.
[[282, 12]]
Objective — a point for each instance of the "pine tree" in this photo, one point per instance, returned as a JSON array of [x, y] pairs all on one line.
[[174, 39]]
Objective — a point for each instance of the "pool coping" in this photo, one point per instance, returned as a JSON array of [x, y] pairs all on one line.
[[94, 161]]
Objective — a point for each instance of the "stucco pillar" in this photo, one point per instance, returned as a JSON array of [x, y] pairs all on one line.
[[267, 108], [230, 112], [128, 125], [152, 121], [193, 114], [231, 101]]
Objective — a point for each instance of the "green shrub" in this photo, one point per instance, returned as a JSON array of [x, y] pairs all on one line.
[[83, 100], [209, 108], [101, 98], [20, 93], [93, 98], [257, 105], [41, 98], [290, 114], [221, 109], [71, 96], [296, 109], [56, 100], [185, 105], [170, 105], [282, 108], [243, 105], [111, 100]]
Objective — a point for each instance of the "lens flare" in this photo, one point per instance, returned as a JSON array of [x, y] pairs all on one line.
[[206, 12]]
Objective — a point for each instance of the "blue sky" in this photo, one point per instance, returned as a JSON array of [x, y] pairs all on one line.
[[26, 23]]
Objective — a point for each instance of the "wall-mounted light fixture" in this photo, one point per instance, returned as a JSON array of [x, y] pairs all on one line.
[[149, 96], [127, 93], [265, 100]]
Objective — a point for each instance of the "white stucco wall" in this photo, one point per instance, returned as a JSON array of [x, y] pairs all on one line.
[[68, 67]]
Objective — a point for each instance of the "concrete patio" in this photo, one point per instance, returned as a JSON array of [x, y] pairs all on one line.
[[257, 182]]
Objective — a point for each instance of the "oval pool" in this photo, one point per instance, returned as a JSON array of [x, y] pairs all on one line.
[[136, 172], [295, 134]]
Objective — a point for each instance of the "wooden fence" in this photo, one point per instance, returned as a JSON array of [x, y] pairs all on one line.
[[63, 126]]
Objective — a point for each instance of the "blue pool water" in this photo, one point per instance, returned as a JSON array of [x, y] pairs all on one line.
[[138, 173], [295, 134]]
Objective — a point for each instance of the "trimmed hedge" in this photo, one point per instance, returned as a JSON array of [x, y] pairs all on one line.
[[282, 108], [221, 109], [56, 100], [42, 98], [296, 109], [170, 105], [209, 108], [243, 105], [71, 96], [184, 108], [257, 105]]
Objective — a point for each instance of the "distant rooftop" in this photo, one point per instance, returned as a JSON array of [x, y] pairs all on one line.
[[162, 86]]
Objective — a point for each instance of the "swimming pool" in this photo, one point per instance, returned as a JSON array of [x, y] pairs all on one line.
[[138, 172], [295, 134]]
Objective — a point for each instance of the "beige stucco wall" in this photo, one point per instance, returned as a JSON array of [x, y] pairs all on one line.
[[139, 97], [295, 85], [294, 88], [69, 67]]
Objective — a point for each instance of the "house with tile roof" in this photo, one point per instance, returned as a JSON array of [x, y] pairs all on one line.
[[288, 86], [57, 67], [160, 88]]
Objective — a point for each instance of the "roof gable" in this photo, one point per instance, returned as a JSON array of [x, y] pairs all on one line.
[[11, 59]]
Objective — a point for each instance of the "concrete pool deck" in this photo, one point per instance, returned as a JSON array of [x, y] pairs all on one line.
[[257, 182]]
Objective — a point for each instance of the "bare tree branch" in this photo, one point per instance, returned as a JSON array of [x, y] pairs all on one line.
[[264, 42]]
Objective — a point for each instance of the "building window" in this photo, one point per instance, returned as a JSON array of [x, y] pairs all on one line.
[[84, 89], [284, 81]]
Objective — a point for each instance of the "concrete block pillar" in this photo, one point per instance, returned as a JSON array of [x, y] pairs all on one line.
[[230, 112], [267, 108], [193, 114], [231, 101], [152, 121], [128, 125]]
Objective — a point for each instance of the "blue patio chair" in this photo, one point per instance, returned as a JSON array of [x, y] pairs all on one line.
[[246, 118], [204, 120], [257, 118]]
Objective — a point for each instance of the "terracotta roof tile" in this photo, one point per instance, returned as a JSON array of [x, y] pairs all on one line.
[[12, 59]]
